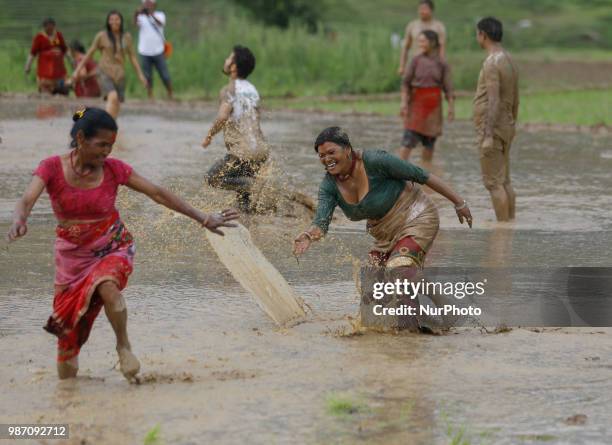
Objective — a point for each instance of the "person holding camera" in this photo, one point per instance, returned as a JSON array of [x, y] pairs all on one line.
[[152, 44]]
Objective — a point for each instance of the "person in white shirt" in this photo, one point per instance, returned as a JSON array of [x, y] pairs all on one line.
[[151, 42], [239, 119]]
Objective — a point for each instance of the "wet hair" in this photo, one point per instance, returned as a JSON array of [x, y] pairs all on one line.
[[244, 60], [109, 32], [428, 3], [77, 46], [492, 28], [48, 21], [432, 37], [90, 121], [333, 134]]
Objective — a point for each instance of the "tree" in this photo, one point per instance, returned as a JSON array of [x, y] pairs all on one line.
[[281, 12]]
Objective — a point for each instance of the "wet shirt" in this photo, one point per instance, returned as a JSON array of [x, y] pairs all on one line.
[[242, 132], [50, 51], [499, 73], [112, 61], [429, 71], [73, 203], [387, 176], [416, 27]]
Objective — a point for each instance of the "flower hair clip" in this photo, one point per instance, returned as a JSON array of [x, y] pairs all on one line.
[[79, 113]]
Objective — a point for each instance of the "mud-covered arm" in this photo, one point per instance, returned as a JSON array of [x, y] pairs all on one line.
[[406, 44], [173, 202], [442, 40], [223, 114], [515, 107], [129, 48], [492, 82]]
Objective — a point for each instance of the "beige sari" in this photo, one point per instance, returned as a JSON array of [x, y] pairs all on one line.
[[414, 216]]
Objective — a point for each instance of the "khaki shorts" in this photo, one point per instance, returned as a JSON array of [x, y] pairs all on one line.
[[495, 163], [107, 85]]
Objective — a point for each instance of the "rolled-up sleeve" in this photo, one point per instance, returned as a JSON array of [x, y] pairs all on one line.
[[326, 206]]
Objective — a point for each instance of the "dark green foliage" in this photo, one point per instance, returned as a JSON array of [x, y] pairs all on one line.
[[282, 12]]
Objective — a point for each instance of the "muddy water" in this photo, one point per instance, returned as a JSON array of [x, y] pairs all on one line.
[[216, 370]]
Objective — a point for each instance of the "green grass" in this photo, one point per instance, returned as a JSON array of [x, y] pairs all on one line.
[[352, 53], [153, 436], [553, 23], [584, 107], [343, 406]]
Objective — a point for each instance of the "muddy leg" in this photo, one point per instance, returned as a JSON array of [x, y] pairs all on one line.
[[493, 165], [68, 369], [508, 186], [116, 312], [404, 153], [112, 104], [499, 197]]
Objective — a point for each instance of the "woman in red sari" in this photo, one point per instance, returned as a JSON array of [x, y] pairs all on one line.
[[93, 250], [50, 47], [427, 77], [85, 83]]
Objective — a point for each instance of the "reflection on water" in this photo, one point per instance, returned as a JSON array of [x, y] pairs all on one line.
[[187, 314]]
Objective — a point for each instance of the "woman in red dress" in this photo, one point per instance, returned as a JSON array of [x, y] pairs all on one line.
[[50, 48], [86, 83], [427, 77], [93, 250]]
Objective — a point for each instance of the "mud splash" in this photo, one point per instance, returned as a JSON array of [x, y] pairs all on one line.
[[211, 356]]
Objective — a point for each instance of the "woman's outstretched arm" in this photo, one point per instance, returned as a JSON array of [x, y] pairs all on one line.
[[23, 208], [437, 185], [168, 199]]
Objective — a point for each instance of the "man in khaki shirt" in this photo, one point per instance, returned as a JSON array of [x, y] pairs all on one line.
[[495, 112], [416, 27]]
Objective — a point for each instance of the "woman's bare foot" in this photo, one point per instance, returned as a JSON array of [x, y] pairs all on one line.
[[128, 363]]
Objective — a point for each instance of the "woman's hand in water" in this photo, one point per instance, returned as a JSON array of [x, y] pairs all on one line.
[[221, 219], [465, 213], [301, 244], [17, 230]]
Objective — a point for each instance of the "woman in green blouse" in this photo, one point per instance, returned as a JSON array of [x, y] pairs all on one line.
[[384, 190]]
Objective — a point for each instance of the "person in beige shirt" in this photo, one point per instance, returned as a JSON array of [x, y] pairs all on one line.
[[495, 113], [115, 46], [416, 27]]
